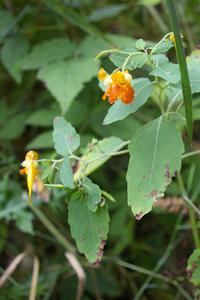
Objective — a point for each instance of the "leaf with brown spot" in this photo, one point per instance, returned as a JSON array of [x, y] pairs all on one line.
[[89, 229], [156, 154]]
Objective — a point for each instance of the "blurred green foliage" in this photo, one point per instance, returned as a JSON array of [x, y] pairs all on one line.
[[48, 69]]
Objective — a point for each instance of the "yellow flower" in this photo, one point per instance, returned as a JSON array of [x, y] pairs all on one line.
[[30, 169], [117, 86], [172, 38]]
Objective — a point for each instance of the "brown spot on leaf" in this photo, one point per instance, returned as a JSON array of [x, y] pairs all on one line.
[[154, 194], [167, 174], [191, 270], [100, 253], [139, 216]]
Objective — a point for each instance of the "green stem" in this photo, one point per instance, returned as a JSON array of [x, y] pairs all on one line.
[[190, 154], [193, 222], [187, 94], [54, 231], [194, 227]]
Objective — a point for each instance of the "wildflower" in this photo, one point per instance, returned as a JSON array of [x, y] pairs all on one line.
[[30, 169], [118, 85]]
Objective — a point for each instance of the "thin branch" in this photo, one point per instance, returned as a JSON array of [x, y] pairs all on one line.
[[79, 272], [34, 281], [11, 268]]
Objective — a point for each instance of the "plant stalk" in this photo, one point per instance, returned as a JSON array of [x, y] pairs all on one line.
[[187, 94], [54, 231]]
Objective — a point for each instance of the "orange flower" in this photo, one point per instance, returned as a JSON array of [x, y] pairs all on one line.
[[117, 86], [30, 169]]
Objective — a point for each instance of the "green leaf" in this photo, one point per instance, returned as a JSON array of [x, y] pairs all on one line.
[[24, 221], [124, 129], [118, 111], [66, 174], [155, 156], [6, 19], [13, 127], [194, 76], [66, 79], [193, 267], [72, 16], [162, 47], [159, 59], [41, 118], [93, 194], [193, 60], [65, 138], [106, 12], [149, 2], [140, 44], [169, 72], [89, 229], [41, 141], [47, 52], [12, 53], [133, 59], [100, 153]]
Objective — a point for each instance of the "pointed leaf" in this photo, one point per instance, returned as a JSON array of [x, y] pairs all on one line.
[[89, 229], [155, 156], [66, 79], [48, 51], [118, 111], [12, 53], [65, 138]]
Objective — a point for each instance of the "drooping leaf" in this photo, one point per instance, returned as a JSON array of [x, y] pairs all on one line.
[[66, 174], [89, 229], [65, 138], [169, 72], [100, 153], [66, 79], [47, 52], [12, 53], [130, 58], [93, 192], [118, 111], [155, 156], [193, 267]]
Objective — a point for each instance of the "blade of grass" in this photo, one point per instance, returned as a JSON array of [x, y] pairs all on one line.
[[187, 94]]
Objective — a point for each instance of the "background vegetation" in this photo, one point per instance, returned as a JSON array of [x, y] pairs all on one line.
[[48, 69]]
